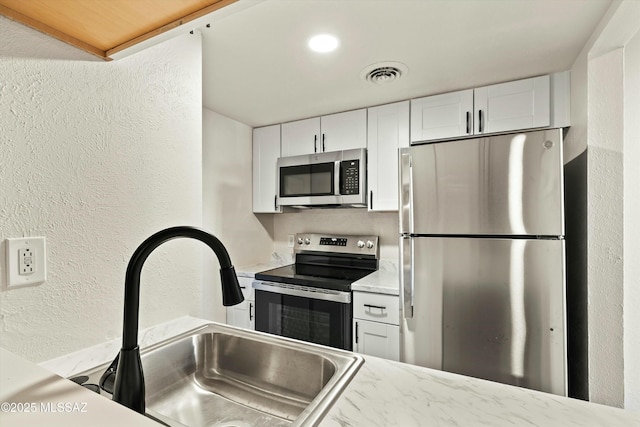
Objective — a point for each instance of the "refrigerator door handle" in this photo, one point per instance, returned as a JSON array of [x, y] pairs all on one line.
[[406, 192], [406, 276]]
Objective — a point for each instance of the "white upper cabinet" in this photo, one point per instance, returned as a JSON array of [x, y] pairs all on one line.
[[266, 150], [442, 116], [343, 131], [300, 137], [334, 132], [536, 102], [522, 104], [388, 130]]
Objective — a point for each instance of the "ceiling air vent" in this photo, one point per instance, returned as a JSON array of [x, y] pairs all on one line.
[[383, 72]]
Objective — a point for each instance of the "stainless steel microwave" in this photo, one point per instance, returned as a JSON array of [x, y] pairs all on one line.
[[332, 179]]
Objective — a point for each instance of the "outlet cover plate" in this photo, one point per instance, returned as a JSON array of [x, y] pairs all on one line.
[[36, 248]]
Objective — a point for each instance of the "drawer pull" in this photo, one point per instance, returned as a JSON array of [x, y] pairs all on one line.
[[375, 306]]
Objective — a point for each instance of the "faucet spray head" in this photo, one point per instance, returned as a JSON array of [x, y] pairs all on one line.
[[231, 292]]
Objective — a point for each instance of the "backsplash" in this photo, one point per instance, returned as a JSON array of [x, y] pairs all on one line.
[[339, 221]]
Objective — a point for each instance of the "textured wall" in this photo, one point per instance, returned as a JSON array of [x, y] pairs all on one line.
[[632, 224], [227, 203], [605, 228], [97, 156], [604, 114]]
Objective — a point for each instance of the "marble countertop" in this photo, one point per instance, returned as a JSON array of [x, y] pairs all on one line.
[[277, 260], [33, 396], [386, 393], [383, 393], [383, 281]]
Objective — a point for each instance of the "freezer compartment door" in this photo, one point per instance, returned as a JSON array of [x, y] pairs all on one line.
[[491, 309], [501, 185]]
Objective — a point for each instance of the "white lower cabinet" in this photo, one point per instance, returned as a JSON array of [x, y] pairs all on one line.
[[376, 330], [243, 315], [376, 339]]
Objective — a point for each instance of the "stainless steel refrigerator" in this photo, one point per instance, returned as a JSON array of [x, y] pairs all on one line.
[[483, 258]]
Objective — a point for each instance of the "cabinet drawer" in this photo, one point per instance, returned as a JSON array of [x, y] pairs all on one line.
[[376, 307]]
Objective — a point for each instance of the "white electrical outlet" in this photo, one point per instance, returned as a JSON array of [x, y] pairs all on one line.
[[290, 242], [26, 261]]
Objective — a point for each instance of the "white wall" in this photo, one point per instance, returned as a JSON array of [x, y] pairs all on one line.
[[632, 224], [227, 203], [605, 109], [97, 156], [605, 242]]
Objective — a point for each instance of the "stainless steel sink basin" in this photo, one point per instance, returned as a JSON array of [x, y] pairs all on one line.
[[218, 375]]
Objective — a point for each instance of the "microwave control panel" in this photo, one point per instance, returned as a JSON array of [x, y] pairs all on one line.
[[350, 177]]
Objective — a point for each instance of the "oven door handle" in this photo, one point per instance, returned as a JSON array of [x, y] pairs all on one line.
[[304, 291]]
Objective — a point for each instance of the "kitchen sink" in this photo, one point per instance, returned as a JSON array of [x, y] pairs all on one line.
[[218, 375]]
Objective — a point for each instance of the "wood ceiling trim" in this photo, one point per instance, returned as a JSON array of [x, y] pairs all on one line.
[[39, 26], [34, 23], [195, 15]]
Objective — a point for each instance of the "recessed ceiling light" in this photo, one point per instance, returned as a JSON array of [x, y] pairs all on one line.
[[323, 43]]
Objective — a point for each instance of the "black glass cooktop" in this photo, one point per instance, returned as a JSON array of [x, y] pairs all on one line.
[[319, 275]]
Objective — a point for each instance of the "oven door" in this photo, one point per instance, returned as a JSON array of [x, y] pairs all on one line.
[[309, 314]]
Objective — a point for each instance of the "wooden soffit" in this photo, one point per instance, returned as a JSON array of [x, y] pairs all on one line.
[[105, 27]]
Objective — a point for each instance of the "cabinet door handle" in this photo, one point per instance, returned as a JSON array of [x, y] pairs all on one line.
[[275, 202], [323, 150], [250, 311], [468, 122], [356, 332], [371, 199], [375, 306], [315, 143], [480, 122]]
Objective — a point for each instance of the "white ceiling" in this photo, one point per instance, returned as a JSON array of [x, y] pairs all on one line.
[[258, 70]]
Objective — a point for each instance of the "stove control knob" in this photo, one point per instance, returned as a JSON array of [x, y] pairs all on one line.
[[369, 244], [300, 241], [307, 241], [360, 244]]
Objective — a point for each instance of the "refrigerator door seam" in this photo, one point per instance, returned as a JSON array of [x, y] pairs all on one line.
[[485, 236]]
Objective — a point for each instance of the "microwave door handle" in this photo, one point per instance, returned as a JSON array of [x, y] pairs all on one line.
[[336, 178]]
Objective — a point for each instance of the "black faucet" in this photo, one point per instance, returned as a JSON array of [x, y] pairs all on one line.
[[128, 389]]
